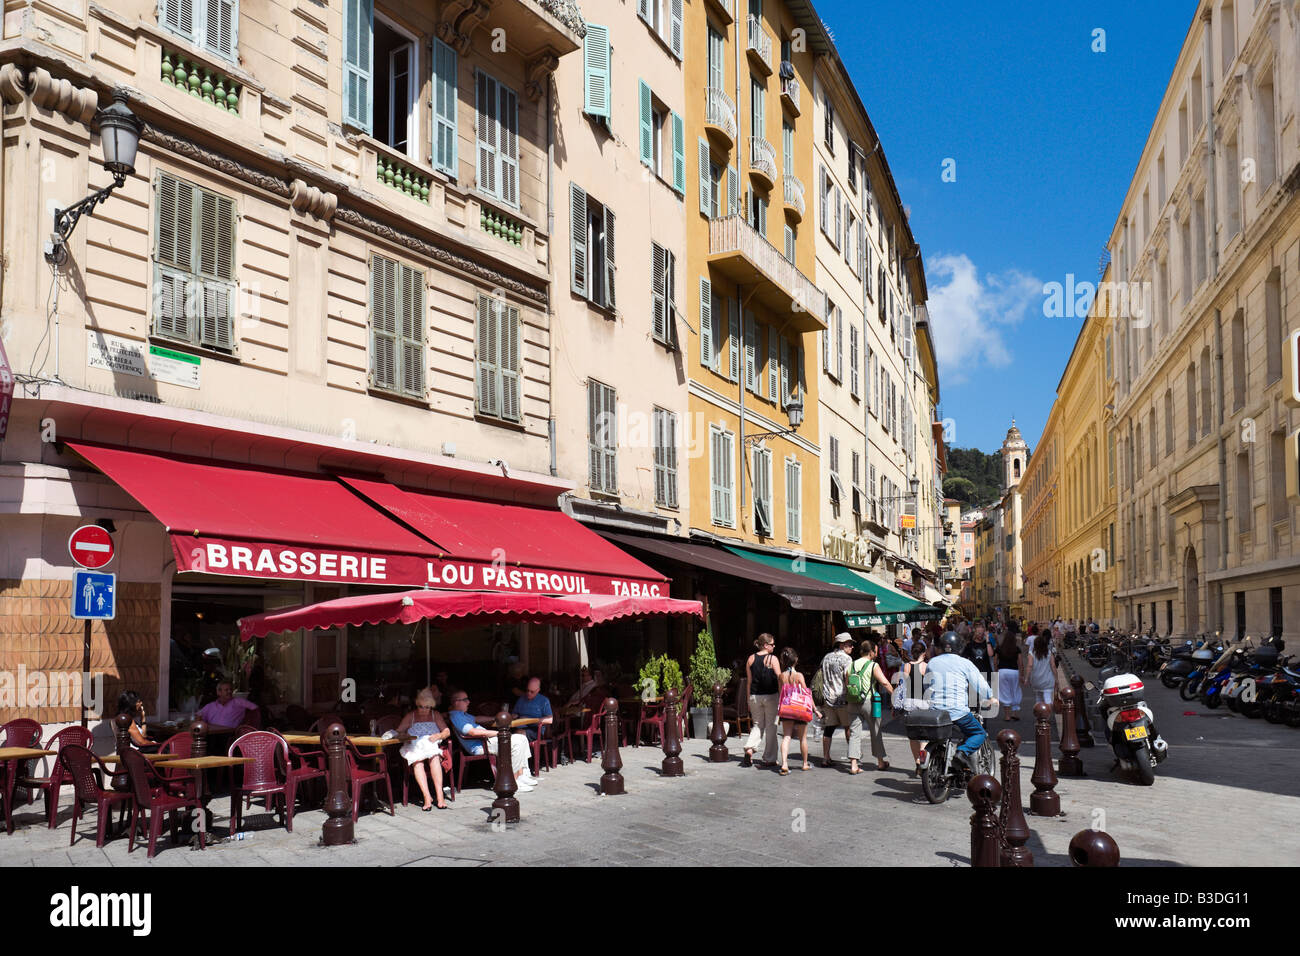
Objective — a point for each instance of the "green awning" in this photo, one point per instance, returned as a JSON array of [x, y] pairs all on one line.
[[892, 607]]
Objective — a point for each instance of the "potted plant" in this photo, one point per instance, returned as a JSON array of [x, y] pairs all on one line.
[[657, 676], [704, 673]]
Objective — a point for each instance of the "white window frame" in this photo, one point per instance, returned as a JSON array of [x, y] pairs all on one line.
[[198, 34], [412, 93], [761, 465], [665, 457], [602, 446], [793, 500], [727, 438]]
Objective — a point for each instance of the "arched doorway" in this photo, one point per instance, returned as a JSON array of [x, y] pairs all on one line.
[[1192, 593]]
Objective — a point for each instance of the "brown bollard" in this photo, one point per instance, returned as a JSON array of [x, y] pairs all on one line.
[[1081, 725], [1044, 801], [199, 733], [1093, 848], [505, 785], [1069, 765], [337, 828], [611, 781], [718, 752], [672, 766], [985, 846], [1015, 831], [122, 732]]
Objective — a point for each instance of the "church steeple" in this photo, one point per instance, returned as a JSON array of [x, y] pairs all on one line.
[[1015, 455]]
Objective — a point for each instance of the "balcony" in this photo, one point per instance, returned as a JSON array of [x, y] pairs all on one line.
[[720, 116], [535, 25], [739, 253], [759, 46], [727, 8], [794, 203], [790, 94], [762, 162]]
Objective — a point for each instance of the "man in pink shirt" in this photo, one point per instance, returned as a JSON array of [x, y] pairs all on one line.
[[227, 710]]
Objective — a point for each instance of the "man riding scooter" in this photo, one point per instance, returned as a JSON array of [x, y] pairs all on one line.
[[953, 683]]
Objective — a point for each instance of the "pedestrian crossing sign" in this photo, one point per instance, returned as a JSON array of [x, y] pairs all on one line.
[[93, 596]]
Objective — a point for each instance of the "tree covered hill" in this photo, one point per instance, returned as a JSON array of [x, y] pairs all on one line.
[[974, 478]]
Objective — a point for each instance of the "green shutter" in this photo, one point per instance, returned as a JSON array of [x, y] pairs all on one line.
[[733, 339], [358, 59], [445, 89], [679, 154], [487, 357], [706, 177], [578, 239], [595, 67], [647, 126], [707, 345]]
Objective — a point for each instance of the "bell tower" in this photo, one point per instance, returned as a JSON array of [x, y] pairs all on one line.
[[1015, 456]]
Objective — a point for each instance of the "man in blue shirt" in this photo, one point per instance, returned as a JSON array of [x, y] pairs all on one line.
[[534, 704], [474, 738], [953, 683]]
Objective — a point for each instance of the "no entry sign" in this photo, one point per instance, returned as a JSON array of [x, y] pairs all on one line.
[[91, 546]]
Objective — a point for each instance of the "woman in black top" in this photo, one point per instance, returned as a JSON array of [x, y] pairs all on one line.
[[764, 698], [1010, 660]]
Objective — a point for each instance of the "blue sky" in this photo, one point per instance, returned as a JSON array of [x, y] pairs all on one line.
[[1045, 133]]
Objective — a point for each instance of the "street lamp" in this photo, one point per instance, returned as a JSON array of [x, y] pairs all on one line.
[[793, 411], [119, 134]]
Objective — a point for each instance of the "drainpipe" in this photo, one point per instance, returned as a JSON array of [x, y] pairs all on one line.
[[550, 239]]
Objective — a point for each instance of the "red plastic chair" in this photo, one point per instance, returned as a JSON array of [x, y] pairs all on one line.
[[267, 776], [20, 732], [80, 767], [360, 778], [652, 715], [590, 730], [461, 756], [151, 797], [179, 782], [53, 784]]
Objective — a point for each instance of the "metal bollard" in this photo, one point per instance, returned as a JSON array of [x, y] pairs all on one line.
[[985, 846], [1069, 765], [1044, 801], [611, 782], [337, 828], [505, 785], [1093, 848], [718, 753], [1015, 831], [672, 765]]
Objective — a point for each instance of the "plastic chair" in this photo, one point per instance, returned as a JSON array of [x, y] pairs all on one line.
[[652, 714], [267, 776], [52, 784], [461, 756], [81, 766], [179, 782], [20, 732], [154, 801], [591, 730], [359, 778]]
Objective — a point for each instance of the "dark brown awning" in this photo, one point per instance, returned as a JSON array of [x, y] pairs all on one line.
[[802, 593]]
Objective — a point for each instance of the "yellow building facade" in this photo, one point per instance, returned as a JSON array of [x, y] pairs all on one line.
[[753, 312], [1041, 591]]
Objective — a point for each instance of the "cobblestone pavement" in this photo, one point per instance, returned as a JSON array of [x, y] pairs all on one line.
[[722, 813]]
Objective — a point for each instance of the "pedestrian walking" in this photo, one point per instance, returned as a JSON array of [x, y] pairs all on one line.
[[764, 697], [909, 694], [836, 710], [979, 652], [790, 726], [1041, 671], [1010, 659], [867, 685]]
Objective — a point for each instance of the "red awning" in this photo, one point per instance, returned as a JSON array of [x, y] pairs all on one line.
[[513, 547], [408, 607]]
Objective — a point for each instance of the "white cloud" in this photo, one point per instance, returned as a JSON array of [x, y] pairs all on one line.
[[971, 313]]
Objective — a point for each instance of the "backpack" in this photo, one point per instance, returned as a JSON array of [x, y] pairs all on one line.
[[858, 686]]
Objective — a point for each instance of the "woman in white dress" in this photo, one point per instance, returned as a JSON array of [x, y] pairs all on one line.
[[1010, 658], [424, 752], [1042, 668]]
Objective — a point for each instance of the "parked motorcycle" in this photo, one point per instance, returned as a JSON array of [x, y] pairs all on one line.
[[1130, 725], [941, 773]]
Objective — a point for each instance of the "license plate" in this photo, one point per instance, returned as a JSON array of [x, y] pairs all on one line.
[[1135, 733]]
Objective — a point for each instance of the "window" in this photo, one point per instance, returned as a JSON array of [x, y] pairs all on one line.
[[194, 265], [591, 250], [762, 474], [663, 135], [1265, 134], [1110, 459], [714, 312], [1206, 398], [856, 475], [663, 266], [853, 167], [853, 361], [1273, 323], [1238, 360], [774, 350], [785, 372], [1169, 421], [444, 108], [829, 112], [757, 212], [497, 359], [595, 71], [602, 438], [665, 437], [789, 243], [871, 493], [850, 232], [214, 24], [1245, 493], [497, 139], [834, 311], [396, 88], [757, 108], [664, 17], [396, 328], [793, 498], [751, 353], [722, 456], [824, 187], [1277, 472], [1232, 192], [787, 149], [717, 56], [1191, 405]]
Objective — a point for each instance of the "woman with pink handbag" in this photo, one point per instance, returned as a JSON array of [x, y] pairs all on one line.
[[795, 710]]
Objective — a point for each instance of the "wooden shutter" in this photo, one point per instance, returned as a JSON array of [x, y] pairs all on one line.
[[773, 363], [358, 59], [578, 280], [658, 290], [733, 339], [643, 10], [609, 258], [706, 178], [610, 446], [853, 360], [647, 125], [839, 345], [445, 90], [509, 328], [216, 264], [595, 453], [487, 133], [715, 474], [383, 323], [595, 68], [221, 36], [173, 240], [823, 209], [679, 153], [751, 353], [411, 316], [508, 144], [171, 295], [733, 190], [657, 419], [793, 499], [785, 372], [670, 298], [670, 459], [675, 27], [178, 17], [707, 343], [487, 359], [827, 333]]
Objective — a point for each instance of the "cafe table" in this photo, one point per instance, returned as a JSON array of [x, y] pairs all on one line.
[[360, 740], [516, 722], [9, 757], [198, 765]]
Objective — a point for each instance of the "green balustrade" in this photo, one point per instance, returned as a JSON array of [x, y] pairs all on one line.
[[201, 82], [412, 182], [503, 227]]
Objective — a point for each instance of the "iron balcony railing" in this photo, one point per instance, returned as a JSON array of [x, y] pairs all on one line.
[[759, 41], [790, 90], [794, 194], [762, 158], [720, 111]]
